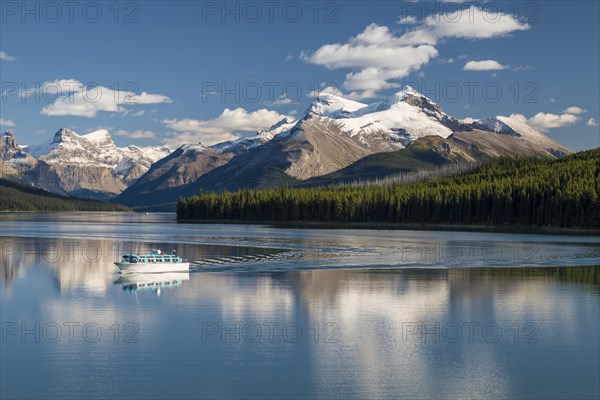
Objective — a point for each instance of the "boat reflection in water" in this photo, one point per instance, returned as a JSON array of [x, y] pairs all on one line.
[[152, 282]]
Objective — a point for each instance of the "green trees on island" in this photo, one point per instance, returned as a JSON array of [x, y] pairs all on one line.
[[508, 190]]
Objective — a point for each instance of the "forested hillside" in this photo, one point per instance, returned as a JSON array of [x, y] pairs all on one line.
[[17, 197], [508, 190]]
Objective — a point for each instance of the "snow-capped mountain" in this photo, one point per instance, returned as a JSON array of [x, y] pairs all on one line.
[[89, 165], [15, 160], [333, 134], [336, 132], [243, 144], [96, 148], [190, 162]]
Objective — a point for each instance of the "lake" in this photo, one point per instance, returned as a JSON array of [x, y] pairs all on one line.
[[279, 313]]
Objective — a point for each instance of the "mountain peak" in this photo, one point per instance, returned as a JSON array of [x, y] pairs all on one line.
[[197, 148], [414, 98], [409, 94], [62, 134], [101, 135], [284, 125], [409, 90], [285, 120], [328, 104], [8, 145]]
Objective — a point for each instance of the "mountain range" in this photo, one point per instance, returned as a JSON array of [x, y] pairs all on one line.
[[335, 140]]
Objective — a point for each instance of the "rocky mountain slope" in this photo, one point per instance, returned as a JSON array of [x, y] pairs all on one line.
[[335, 139], [335, 133], [188, 163], [89, 166]]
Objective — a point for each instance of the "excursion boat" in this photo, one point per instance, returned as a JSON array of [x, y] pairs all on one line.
[[152, 263]]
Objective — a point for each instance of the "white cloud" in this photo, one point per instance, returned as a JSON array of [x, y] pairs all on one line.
[[138, 113], [282, 100], [468, 23], [71, 97], [360, 95], [484, 65], [547, 121], [139, 134], [574, 110], [377, 55], [6, 57], [592, 122], [379, 58], [221, 128], [6, 122], [407, 20]]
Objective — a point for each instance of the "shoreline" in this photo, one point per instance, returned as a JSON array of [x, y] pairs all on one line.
[[410, 226]]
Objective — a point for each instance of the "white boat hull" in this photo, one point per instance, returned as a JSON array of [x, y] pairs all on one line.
[[151, 268]]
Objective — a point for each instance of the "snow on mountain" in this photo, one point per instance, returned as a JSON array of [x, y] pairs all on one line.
[[99, 136], [403, 117], [13, 154], [280, 127], [8, 146], [90, 165], [489, 124], [154, 153], [244, 144], [408, 115], [332, 106], [96, 148]]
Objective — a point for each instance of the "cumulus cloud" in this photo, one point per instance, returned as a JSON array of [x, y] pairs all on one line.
[[6, 57], [221, 128], [484, 65], [407, 20], [139, 134], [377, 55], [592, 122], [282, 100], [546, 121], [574, 110], [378, 58], [71, 97], [467, 23], [356, 95], [6, 122]]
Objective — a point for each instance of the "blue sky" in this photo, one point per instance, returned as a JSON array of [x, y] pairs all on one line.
[[172, 72]]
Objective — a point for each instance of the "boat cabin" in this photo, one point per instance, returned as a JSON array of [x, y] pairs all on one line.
[[154, 257]]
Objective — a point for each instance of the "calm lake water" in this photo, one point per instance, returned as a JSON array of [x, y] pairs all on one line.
[[295, 313]]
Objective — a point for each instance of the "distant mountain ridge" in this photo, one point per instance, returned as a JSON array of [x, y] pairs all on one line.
[[90, 165], [336, 139], [335, 133]]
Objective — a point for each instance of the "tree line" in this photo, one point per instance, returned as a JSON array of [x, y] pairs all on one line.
[[508, 190], [17, 197]]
